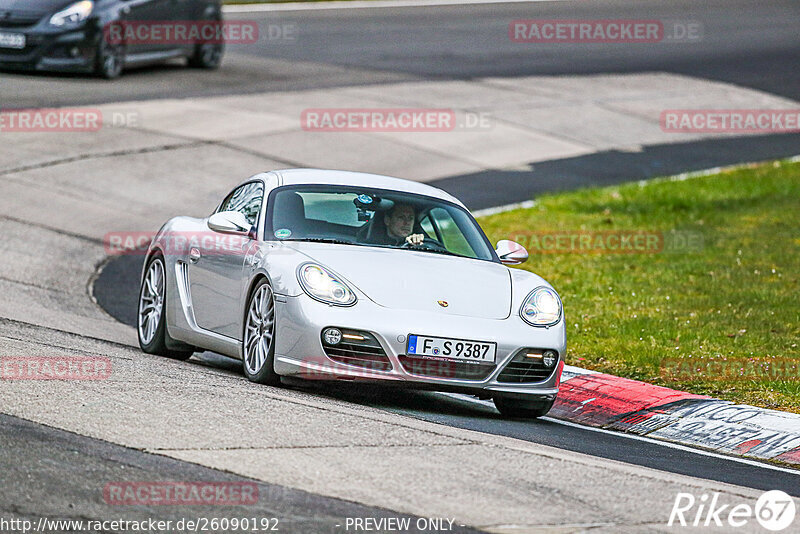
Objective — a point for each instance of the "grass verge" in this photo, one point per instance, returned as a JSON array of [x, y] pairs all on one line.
[[709, 302]]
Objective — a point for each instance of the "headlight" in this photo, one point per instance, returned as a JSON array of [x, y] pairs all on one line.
[[77, 12], [542, 307], [324, 286]]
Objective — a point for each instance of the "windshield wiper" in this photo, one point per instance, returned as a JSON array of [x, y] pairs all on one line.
[[437, 251]]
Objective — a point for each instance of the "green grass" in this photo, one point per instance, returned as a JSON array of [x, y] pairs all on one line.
[[734, 301]]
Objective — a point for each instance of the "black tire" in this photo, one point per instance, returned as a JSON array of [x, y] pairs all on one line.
[[158, 343], [207, 56], [109, 59], [522, 409], [260, 372]]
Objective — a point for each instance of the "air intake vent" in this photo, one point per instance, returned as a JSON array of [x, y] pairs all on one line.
[[528, 365], [357, 348], [445, 368]]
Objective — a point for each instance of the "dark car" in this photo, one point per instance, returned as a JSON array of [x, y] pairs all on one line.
[[73, 36]]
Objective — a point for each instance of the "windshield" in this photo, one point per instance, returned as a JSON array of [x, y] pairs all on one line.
[[377, 218]]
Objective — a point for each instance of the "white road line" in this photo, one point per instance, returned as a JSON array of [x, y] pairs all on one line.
[[366, 4], [502, 209], [643, 438]]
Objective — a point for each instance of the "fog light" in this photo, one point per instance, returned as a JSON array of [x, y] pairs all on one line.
[[550, 357], [332, 336], [75, 51]]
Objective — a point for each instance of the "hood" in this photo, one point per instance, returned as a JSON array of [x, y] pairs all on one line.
[[33, 6], [411, 280]]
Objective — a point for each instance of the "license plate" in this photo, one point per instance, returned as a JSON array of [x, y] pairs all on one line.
[[446, 348], [12, 40]]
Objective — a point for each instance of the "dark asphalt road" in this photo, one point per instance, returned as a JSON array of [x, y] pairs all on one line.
[[749, 43], [745, 42], [499, 187], [61, 476], [465, 413]]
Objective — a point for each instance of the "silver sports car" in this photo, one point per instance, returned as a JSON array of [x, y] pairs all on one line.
[[331, 275]]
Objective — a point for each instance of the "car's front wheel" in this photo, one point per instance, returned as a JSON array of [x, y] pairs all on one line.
[[152, 317], [522, 408], [258, 341], [109, 59], [206, 56]]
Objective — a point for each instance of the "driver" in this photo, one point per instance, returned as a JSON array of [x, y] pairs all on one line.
[[399, 223]]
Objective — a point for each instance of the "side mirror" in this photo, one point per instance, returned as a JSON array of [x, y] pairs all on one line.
[[230, 222], [511, 253]]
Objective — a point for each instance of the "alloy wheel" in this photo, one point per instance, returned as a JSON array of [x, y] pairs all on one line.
[[259, 330], [151, 301]]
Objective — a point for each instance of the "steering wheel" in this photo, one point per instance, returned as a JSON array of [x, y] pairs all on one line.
[[427, 242]]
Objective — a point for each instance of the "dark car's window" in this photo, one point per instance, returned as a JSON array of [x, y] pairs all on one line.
[[246, 200], [352, 215]]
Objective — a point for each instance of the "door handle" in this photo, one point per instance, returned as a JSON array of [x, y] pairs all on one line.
[[194, 255]]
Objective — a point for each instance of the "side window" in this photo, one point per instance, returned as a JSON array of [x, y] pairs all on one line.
[[246, 200], [452, 238]]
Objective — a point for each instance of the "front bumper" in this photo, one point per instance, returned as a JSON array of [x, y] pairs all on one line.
[[299, 350], [64, 51]]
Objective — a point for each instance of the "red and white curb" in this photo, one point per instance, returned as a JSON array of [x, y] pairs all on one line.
[[614, 403]]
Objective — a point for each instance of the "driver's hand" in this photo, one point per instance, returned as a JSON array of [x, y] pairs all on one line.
[[415, 239]]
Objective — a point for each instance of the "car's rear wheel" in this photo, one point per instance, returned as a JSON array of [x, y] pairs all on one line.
[[152, 317], [522, 409], [109, 59], [258, 341]]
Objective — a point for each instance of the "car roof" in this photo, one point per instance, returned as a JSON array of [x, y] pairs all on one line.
[[323, 176]]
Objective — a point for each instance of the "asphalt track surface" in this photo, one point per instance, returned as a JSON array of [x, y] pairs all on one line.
[[748, 43], [745, 43], [66, 470]]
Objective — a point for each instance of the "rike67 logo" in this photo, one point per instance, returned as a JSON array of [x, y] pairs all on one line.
[[774, 510]]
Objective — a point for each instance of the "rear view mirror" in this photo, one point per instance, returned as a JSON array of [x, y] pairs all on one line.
[[511, 253], [230, 222]]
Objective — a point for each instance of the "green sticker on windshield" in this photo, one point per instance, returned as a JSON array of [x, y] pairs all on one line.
[[283, 233]]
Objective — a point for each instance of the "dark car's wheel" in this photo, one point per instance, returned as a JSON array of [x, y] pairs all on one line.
[[109, 59], [152, 316], [522, 409], [258, 341], [206, 56]]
